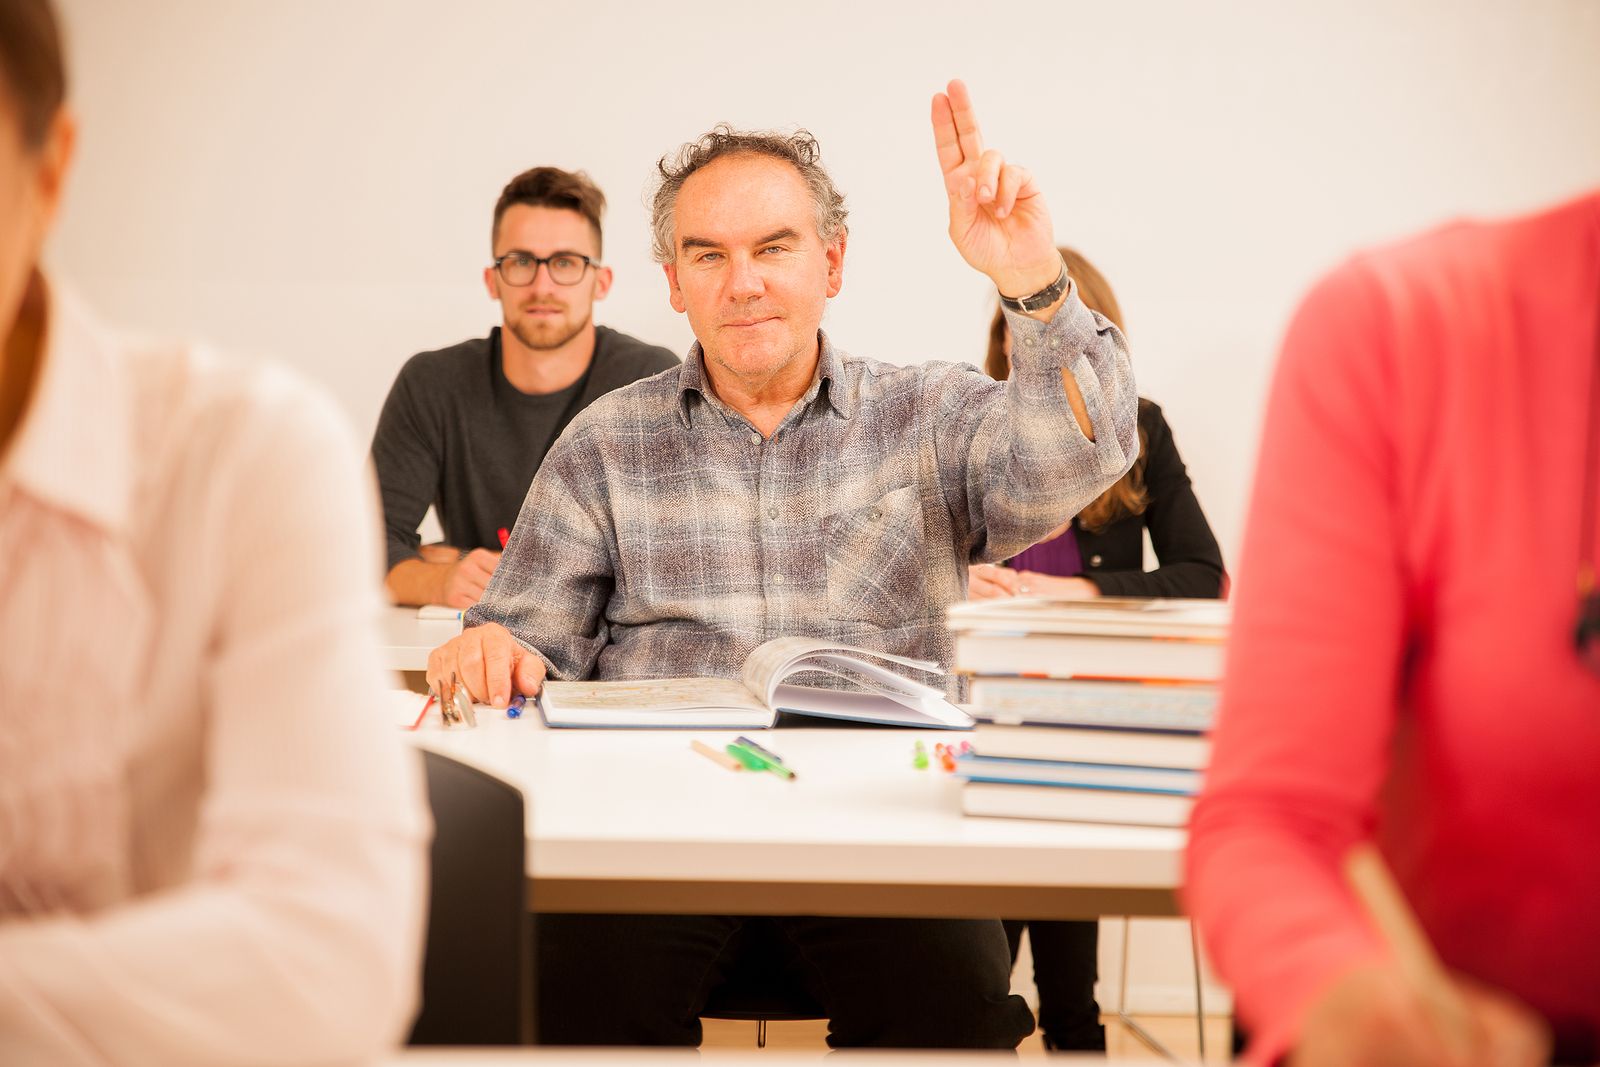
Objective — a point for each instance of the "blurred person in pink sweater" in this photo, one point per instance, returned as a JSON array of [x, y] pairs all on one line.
[[1408, 663], [212, 845]]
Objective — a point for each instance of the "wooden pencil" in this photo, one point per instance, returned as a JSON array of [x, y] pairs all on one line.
[[1374, 885], [716, 756]]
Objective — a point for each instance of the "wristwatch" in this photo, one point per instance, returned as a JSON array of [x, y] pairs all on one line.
[[1042, 299]]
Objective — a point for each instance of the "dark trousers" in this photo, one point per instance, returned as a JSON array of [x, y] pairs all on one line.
[[1066, 963], [900, 983]]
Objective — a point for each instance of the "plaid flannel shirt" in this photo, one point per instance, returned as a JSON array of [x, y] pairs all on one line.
[[663, 536]]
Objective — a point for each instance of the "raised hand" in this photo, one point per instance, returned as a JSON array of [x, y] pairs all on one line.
[[998, 219]]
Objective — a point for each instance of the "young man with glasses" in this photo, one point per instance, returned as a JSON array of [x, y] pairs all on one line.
[[465, 428]]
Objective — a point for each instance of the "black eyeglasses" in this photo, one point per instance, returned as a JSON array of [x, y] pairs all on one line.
[[521, 268]]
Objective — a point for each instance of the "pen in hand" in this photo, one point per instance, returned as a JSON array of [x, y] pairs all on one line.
[[1385, 904]]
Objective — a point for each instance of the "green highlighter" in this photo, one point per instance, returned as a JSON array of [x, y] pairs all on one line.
[[755, 761]]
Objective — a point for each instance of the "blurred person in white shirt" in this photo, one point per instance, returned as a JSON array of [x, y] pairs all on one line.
[[212, 847]]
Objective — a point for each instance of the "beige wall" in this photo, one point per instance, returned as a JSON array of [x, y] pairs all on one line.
[[313, 180]]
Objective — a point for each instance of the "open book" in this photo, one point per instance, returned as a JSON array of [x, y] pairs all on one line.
[[752, 702]]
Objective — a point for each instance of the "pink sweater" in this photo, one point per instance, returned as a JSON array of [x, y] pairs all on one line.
[[1401, 663]]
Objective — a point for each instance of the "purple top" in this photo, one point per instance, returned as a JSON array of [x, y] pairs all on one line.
[[1058, 556]]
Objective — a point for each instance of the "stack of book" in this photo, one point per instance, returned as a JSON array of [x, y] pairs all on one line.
[[1089, 710]]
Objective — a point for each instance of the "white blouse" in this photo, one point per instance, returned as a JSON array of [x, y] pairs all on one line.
[[212, 843]]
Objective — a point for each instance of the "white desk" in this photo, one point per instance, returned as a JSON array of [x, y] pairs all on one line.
[[407, 640], [634, 821], [769, 1057]]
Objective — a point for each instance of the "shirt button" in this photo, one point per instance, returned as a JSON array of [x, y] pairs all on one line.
[[876, 515], [1096, 559], [777, 579], [772, 513], [755, 435]]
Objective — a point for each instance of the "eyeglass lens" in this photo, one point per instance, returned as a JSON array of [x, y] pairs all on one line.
[[520, 268]]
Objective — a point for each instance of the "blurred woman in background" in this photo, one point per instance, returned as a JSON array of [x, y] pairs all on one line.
[[1101, 551]]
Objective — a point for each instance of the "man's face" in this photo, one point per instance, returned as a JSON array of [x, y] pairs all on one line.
[[542, 314], [748, 267]]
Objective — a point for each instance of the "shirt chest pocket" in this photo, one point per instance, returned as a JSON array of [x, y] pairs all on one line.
[[876, 563]]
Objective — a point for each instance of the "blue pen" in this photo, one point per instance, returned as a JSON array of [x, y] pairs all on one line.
[[514, 709]]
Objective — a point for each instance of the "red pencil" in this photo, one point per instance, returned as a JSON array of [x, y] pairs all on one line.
[[423, 714]]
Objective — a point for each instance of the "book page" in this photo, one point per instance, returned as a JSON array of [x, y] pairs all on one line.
[[771, 662], [653, 704], [884, 709], [868, 676], [652, 694]]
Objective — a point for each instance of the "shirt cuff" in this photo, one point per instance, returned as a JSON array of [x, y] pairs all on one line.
[[1051, 345]]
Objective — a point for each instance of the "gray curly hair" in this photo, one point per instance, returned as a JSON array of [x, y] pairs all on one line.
[[799, 149]]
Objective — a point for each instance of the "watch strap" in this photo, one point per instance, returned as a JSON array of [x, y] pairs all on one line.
[[1043, 298]]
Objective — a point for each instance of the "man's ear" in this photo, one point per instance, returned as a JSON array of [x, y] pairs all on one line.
[[602, 282], [491, 282], [835, 255], [673, 292]]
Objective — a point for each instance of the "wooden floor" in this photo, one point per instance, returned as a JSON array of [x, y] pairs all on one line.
[[1176, 1032]]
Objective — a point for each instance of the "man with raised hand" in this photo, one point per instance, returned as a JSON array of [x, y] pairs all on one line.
[[777, 485]]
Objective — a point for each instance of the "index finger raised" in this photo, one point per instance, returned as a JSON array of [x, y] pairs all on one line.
[[965, 120], [945, 139]]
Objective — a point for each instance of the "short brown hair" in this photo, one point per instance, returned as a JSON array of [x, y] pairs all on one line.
[[798, 149], [31, 65], [1127, 495], [557, 188]]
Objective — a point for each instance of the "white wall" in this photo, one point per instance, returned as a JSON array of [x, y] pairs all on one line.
[[313, 180]]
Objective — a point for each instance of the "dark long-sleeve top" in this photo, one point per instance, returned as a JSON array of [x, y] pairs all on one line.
[[1186, 549], [456, 434]]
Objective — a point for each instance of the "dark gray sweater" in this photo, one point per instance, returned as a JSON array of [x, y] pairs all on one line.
[[456, 434]]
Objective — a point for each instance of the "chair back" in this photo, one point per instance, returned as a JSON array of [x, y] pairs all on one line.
[[477, 972]]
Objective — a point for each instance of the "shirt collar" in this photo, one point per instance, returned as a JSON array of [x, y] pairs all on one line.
[[73, 449], [828, 380]]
